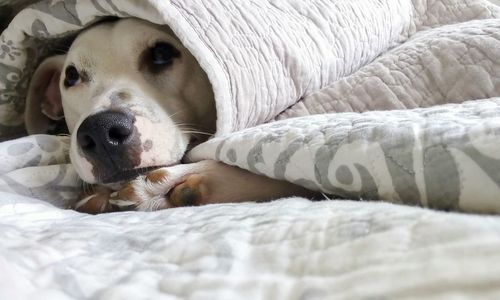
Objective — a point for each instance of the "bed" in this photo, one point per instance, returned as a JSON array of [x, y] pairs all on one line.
[[389, 247]]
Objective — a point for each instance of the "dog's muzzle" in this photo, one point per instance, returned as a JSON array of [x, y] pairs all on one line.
[[111, 143]]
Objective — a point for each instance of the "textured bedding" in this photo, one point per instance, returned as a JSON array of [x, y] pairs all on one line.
[[290, 60], [289, 249], [428, 68]]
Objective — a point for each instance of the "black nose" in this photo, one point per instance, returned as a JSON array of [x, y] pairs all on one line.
[[106, 137]]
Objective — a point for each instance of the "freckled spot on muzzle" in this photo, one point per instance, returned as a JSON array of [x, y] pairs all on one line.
[[148, 145], [117, 98]]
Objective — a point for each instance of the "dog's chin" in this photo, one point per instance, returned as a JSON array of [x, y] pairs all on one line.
[[119, 177]]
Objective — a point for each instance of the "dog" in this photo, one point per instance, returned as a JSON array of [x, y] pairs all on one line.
[[134, 101]]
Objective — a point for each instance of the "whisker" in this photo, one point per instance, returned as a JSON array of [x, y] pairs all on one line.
[[197, 132], [188, 128], [88, 189], [192, 129], [177, 112], [185, 124], [83, 188]]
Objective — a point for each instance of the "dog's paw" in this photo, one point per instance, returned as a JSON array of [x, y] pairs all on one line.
[[100, 200], [154, 190], [193, 191], [146, 192], [199, 183], [160, 189], [95, 202]]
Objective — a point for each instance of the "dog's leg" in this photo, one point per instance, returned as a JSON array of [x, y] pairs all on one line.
[[199, 183], [203, 183]]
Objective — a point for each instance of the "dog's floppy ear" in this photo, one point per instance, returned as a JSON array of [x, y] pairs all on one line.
[[44, 104]]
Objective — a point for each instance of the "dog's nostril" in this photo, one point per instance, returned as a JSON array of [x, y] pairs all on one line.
[[119, 134]]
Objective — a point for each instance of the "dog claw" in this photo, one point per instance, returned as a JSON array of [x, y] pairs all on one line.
[[122, 203], [83, 202]]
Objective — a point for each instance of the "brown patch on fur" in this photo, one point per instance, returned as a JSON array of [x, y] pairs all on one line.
[[135, 149], [124, 95], [157, 176], [118, 97], [128, 193], [99, 203]]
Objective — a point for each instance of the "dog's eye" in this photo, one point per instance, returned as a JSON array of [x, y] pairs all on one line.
[[163, 54], [72, 77]]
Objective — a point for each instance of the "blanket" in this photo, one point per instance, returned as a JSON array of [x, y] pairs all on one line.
[[270, 60], [292, 248]]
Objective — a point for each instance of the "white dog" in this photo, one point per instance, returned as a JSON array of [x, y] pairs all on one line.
[[134, 100]]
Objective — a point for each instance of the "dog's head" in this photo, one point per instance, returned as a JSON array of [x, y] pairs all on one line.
[[131, 95]]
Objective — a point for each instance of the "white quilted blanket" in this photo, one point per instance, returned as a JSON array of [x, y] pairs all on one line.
[[262, 57], [290, 249], [313, 57]]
